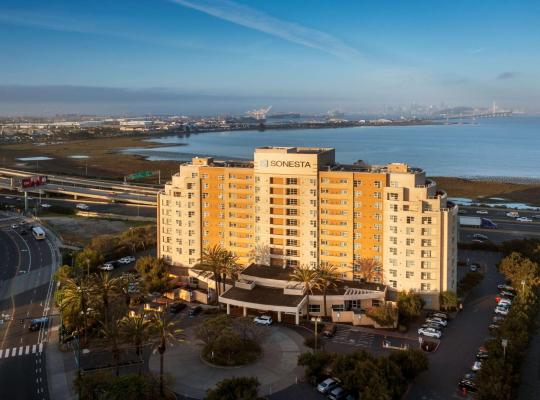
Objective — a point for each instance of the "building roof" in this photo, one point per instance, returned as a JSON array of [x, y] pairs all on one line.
[[263, 295], [343, 287], [268, 272]]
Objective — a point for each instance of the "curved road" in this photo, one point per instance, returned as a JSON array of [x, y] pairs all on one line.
[[24, 264]]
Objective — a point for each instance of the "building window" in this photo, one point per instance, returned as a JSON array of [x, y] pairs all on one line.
[[425, 287], [292, 181], [338, 307], [292, 192], [426, 276], [377, 184], [409, 263], [426, 220], [410, 220], [409, 274], [357, 183], [393, 283], [314, 308], [392, 272]]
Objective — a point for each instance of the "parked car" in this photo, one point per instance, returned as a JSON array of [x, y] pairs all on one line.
[[505, 302], [507, 294], [327, 385], [338, 393], [493, 327], [497, 319], [196, 310], [127, 260], [107, 266], [431, 332], [501, 310], [476, 366], [329, 330], [175, 308], [482, 355], [437, 320], [474, 268], [263, 320], [468, 385], [438, 314], [506, 287], [434, 326], [524, 219], [82, 206], [483, 212]]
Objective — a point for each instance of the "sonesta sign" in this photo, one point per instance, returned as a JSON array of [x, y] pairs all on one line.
[[285, 163]]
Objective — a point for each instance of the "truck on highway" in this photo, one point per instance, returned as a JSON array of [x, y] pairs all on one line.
[[33, 181], [477, 222]]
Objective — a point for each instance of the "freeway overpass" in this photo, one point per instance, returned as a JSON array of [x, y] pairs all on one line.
[[78, 188]]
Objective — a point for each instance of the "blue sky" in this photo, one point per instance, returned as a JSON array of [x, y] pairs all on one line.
[[205, 56]]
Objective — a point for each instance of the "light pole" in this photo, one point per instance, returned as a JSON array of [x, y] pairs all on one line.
[[316, 320], [504, 343], [523, 287]]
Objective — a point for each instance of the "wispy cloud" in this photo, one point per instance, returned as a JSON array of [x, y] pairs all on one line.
[[507, 75], [477, 50], [254, 19]]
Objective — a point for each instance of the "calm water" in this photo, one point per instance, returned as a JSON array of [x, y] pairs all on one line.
[[501, 147]]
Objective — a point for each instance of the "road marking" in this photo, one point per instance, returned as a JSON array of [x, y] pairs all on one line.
[[7, 353], [27, 350], [34, 348], [41, 347], [20, 350]]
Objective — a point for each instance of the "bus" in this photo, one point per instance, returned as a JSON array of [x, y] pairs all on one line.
[[38, 232]]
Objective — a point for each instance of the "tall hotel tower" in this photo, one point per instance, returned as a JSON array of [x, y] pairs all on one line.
[[296, 206]]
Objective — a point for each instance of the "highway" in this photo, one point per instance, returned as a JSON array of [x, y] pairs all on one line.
[[26, 292]]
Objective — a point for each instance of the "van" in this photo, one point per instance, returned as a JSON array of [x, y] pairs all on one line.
[[512, 214], [37, 323]]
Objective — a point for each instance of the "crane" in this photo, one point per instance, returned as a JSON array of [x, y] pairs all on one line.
[[259, 114]]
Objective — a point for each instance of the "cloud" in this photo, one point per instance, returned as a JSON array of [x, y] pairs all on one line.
[[251, 18], [507, 75], [477, 50]]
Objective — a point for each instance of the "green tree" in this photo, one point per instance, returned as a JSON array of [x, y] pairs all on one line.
[[235, 389], [154, 273], [105, 288], [412, 362], [213, 260], [308, 278], [410, 305], [111, 332], [315, 363], [518, 268], [385, 315], [326, 278], [74, 304], [210, 328], [136, 329], [230, 268], [369, 269], [87, 261], [448, 300]]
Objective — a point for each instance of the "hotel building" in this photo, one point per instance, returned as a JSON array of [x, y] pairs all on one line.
[[296, 206]]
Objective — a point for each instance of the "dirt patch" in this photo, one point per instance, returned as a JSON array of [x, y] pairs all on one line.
[[105, 159], [79, 231], [482, 190]]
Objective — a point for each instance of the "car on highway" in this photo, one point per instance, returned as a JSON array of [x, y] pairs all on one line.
[[127, 260], [263, 320], [45, 205], [534, 216], [524, 219], [327, 385], [461, 211], [483, 212], [82, 206], [8, 197], [14, 226], [430, 332], [512, 214], [480, 236]]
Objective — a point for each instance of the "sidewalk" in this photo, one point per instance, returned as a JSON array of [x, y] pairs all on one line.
[[61, 369]]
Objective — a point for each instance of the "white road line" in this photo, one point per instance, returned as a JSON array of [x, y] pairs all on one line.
[[20, 350], [27, 350], [13, 352], [7, 353], [41, 347], [34, 348]]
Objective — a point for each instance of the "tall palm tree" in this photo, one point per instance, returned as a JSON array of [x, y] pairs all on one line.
[[112, 333], [105, 288], [370, 269], [212, 259], [327, 276], [307, 277], [166, 333], [136, 329], [75, 302]]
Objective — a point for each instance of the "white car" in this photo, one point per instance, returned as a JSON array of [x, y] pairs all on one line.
[[474, 267], [437, 320], [483, 212], [501, 310], [506, 287], [263, 320], [82, 206], [127, 260], [505, 302], [45, 205], [431, 332], [476, 366], [107, 267], [14, 226], [524, 219], [326, 385]]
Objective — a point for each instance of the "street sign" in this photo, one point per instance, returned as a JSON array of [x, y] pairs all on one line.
[[140, 174]]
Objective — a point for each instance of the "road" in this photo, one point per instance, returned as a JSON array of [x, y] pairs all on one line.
[[22, 356]]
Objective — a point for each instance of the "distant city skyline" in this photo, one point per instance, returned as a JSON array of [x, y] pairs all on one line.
[[222, 56]]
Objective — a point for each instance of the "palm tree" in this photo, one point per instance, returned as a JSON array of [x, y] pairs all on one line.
[[230, 268], [112, 333], [166, 333], [212, 259], [307, 277], [75, 302], [136, 329], [106, 288], [370, 269], [327, 276]]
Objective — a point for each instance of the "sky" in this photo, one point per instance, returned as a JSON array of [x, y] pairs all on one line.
[[229, 56]]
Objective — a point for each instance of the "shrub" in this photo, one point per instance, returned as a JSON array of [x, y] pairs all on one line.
[[234, 388], [385, 316]]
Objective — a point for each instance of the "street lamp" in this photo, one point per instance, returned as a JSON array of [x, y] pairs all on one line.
[[504, 343], [316, 320]]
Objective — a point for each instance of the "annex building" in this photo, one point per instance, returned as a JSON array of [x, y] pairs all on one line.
[[294, 206]]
